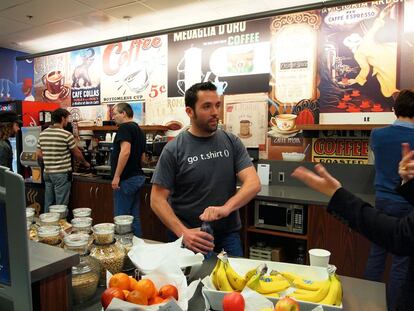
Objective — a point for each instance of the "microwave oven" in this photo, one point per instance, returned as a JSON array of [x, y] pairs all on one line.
[[280, 216]]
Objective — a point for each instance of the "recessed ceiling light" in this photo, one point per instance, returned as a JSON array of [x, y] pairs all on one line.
[[127, 17], [29, 16]]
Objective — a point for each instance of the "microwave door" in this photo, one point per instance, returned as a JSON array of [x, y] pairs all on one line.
[[271, 217], [289, 219]]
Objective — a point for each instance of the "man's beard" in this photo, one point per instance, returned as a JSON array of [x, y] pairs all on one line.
[[205, 126]]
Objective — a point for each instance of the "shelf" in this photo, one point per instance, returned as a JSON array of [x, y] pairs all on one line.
[[145, 128], [323, 127], [278, 233]]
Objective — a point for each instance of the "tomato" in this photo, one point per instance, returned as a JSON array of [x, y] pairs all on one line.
[[168, 291], [233, 302], [109, 293]]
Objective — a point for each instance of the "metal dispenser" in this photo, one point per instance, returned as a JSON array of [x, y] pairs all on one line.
[[28, 157]]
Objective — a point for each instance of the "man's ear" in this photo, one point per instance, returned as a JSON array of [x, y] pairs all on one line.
[[189, 111]]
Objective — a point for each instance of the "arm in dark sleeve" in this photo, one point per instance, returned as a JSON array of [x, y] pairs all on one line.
[[407, 191], [394, 234]]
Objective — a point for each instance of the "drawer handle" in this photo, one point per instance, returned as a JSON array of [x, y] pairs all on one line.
[[96, 192]]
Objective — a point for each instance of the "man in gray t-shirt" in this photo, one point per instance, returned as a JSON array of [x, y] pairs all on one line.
[[196, 175]]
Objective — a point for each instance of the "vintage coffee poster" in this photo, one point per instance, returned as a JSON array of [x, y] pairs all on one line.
[[86, 70], [169, 112], [293, 83], [52, 75], [134, 70], [234, 56], [406, 70], [245, 116], [358, 62], [340, 150]]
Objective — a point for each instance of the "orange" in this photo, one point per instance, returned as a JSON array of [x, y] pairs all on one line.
[[155, 300], [168, 291], [119, 280], [126, 292], [137, 297], [147, 287], [132, 283]]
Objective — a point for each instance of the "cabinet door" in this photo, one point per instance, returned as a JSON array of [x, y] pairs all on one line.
[[81, 194], [349, 249], [152, 227], [103, 205]]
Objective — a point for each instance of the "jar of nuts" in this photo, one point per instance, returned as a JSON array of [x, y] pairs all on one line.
[[49, 219], [81, 212], [49, 235], [85, 275], [61, 209], [109, 254], [83, 224]]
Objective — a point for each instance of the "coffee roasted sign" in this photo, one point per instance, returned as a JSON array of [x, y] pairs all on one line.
[[340, 150]]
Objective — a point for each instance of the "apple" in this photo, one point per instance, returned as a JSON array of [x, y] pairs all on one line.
[[233, 302], [287, 304]]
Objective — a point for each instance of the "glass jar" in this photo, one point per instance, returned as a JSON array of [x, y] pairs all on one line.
[[49, 235], [110, 256], [85, 275], [30, 212], [61, 209], [82, 212], [82, 224], [104, 233], [49, 219], [123, 224]]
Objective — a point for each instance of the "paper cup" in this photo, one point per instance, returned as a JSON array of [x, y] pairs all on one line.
[[319, 257]]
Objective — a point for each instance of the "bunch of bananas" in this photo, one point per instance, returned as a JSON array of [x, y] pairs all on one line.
[[226, 279], [327, 292]]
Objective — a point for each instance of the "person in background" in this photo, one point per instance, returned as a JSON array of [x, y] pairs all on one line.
[[392, 233], [55, 147], [386, 146], [196, 175], [9, 127], [128, 150]]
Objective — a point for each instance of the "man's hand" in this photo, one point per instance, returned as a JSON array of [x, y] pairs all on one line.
[[115, 183], [406, 165], [323, 182], [212, 213], [198, 241]]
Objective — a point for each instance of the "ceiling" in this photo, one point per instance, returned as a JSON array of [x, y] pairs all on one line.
[[36, 26]]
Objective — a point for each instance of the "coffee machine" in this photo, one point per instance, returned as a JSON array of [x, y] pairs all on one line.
[[28, 157], [102, 160]]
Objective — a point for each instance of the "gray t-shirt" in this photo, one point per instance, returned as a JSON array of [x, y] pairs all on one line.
[[201, 172]]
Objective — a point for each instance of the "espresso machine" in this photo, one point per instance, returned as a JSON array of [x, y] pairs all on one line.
[[102, 159], [28, 157]]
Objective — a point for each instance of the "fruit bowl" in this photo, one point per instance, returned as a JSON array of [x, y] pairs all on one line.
[[293, 156]]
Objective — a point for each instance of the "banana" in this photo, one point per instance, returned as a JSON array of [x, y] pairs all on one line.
[[330, 298], [213, 274], [273, 278], [289, 276], [272, 295], [312, 296], [338, 300], [249, 274], [263, 287], [223, 283], [308, 284], [236, 281]]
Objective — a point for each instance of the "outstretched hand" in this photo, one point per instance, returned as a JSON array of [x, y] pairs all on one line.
[[322, 182], [406, 165]]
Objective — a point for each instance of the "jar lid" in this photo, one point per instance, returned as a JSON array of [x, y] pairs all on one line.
[[82, 212], [76, 240], [104, 228], [49, 217], [81, 222], [123, 219], [58, 208], [45, 231], [30, 211]]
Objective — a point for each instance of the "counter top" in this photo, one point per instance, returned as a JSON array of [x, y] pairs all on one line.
[[46, 260], [301, 195]]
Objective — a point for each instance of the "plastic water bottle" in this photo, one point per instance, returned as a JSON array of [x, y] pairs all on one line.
[[206, 227]]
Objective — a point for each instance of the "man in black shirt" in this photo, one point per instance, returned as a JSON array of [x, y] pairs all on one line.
[[128, 177]]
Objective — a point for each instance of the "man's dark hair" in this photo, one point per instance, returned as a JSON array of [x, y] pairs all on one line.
[[58, 114], [125, 107], [404, 104], [191, 94]]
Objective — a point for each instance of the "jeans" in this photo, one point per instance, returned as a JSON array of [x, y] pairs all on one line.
[[374, 269], [127, 200], [57, 189], [230, 242]]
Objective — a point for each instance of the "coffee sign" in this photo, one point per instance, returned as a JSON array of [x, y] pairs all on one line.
[[339, 150]]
